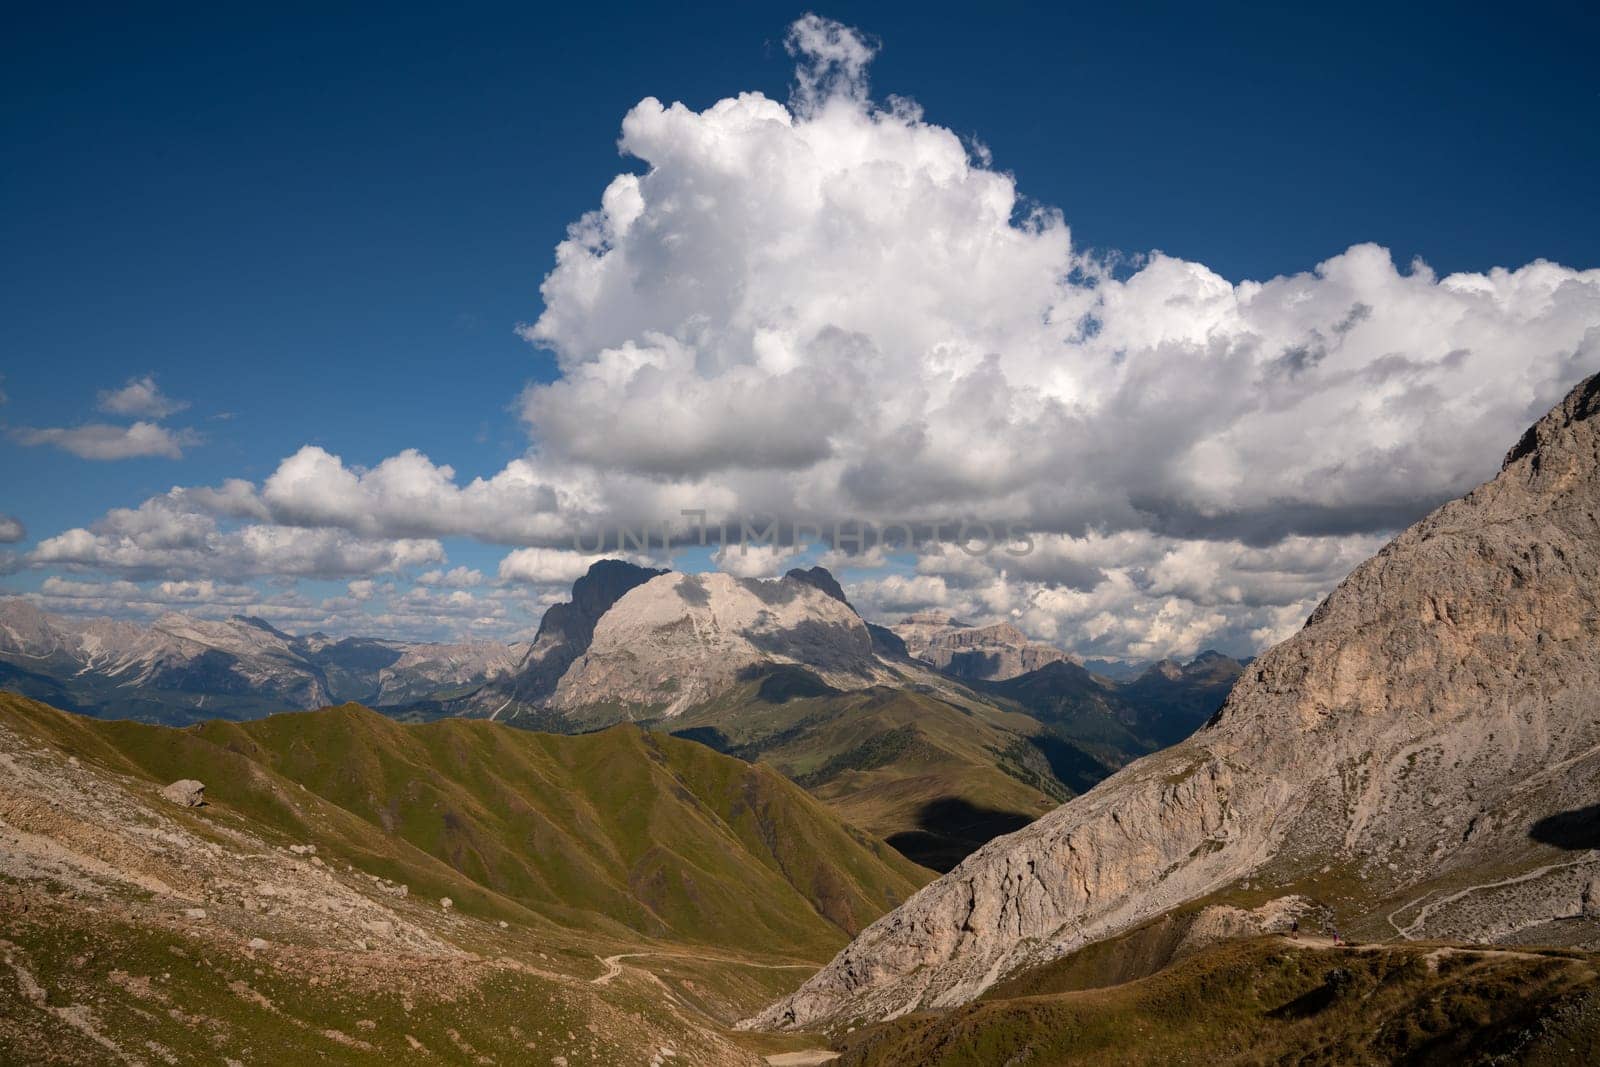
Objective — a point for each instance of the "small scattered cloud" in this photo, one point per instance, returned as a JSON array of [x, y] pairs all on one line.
[[455, 578], [159, 539], [139, 398], [754, 561], [102, 441], [831, 62], [12, 530], [544, 566]]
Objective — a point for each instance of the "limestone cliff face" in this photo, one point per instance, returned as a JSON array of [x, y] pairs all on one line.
[[1431, 739], [980, 653], [567, 629], [681, 639]]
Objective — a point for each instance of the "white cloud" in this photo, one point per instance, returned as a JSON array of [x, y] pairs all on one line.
[[900, 594], [833, 310], [544, 566], [201, 599], [456, 578], [161, 538], [103, 441], [140, 398], [836, 309], [754, 561], [833, 62], [1133, 595], [12, 530], [406, 495]]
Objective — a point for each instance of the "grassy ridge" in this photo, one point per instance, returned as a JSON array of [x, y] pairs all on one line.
[[620, 833], [934, 776]]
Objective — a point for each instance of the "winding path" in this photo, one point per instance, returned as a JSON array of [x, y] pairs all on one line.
[[1408, 931], [613, 964]]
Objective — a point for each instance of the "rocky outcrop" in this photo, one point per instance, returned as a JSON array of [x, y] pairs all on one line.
[[1291, 915], [978, 653], [1427, 743], [820, 578], [185, 792]]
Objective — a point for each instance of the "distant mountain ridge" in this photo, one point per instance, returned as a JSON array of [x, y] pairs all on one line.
[[994, 652], [1120, 720], [638, 643], [179, 668]]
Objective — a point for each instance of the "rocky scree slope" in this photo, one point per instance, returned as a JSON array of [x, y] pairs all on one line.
[[1430, 741]]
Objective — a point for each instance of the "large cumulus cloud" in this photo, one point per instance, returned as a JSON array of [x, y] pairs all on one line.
[[833, 309], [841, 300]]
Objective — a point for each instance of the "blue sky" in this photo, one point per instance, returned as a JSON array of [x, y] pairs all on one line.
[[322, 227]]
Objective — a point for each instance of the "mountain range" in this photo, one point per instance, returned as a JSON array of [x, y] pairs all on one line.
[[923, 752], [1384, 846], [787, 671], [181, 669]]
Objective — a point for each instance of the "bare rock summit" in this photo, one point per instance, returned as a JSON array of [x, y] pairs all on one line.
[[680, 639]]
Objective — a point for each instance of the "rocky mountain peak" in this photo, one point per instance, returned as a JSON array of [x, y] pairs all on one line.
[[261, 624], [1169, 669], [606, 582], [1436, 718], [819, 578], [679, 639], [1554, 433], [566, 632]]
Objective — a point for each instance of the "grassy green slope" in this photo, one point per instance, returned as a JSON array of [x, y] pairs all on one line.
[[1270, 1001], [936, 777], [618, 833]]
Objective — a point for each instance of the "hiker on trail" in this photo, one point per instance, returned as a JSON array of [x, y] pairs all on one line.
[[1336, 939], [1294, 928]]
